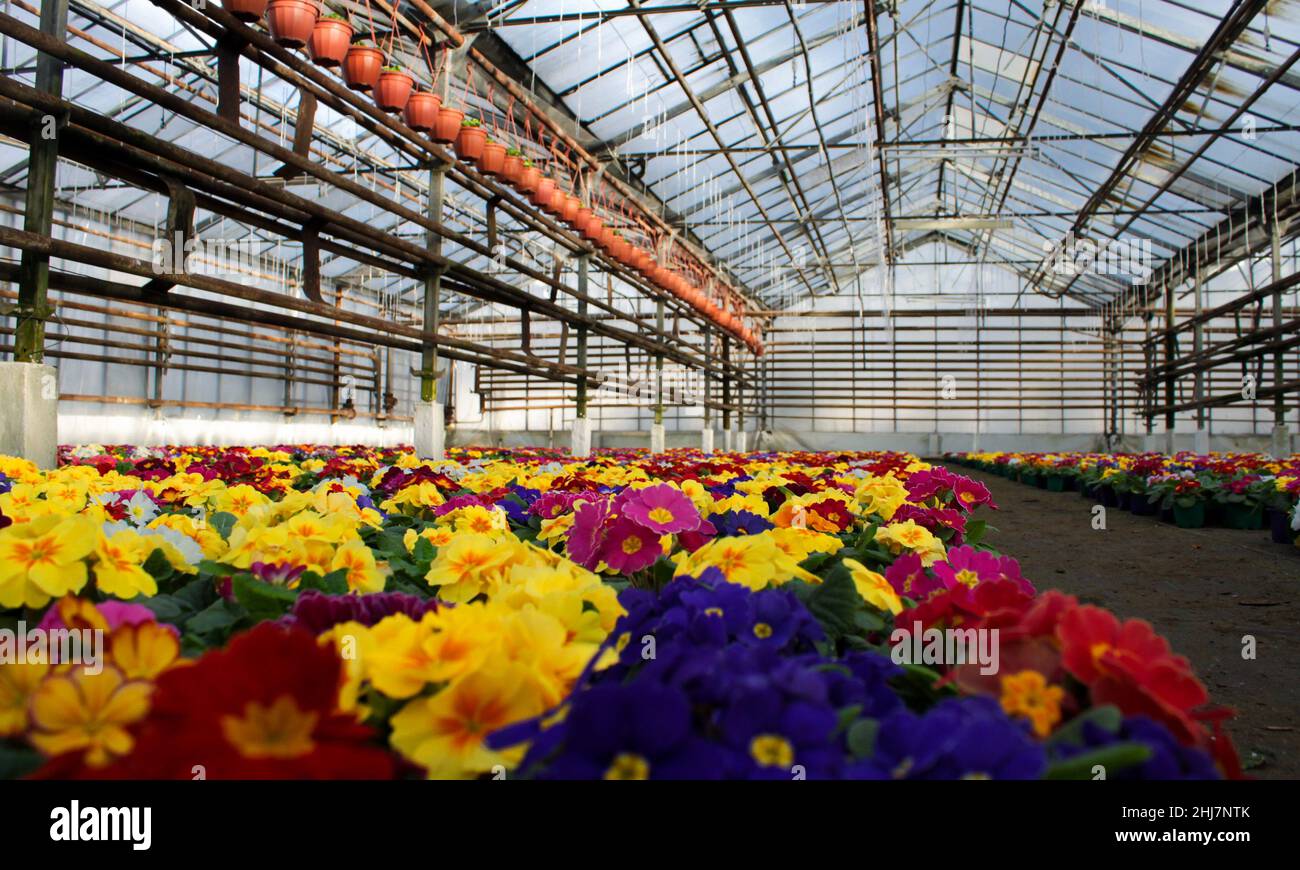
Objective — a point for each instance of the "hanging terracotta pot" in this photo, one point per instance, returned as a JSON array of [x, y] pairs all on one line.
[[246, 11], [421, 111], [361, 67], [330, 39], [493, 159], [581, 219], [543, 192], [446, 126], [594, 229], [513, 168], [570, 208], [529, 178], [556, 205], [607, 238], [470, 142], [394, 89], [291, 22]]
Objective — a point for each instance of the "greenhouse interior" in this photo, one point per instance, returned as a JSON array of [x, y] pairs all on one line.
[[646, 389]]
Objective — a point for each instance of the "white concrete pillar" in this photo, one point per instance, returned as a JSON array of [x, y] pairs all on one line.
[[1168, 444], [580, 444], [29, 412], [728, 439], [706, 440], [1201, 441], [658, 438], [1280, 445], [430, 431], [742, 441]]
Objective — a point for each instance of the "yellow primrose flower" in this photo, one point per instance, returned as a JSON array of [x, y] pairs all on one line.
[[881, 495], [209, 540], [119, 564], [874, 588], [144, 650], [18, 681], [910, 536], [469, 565], [396, 660], [77, 711], [445, 733], [557, 529], [364, 575], [239, 499], [1028, 694], [439, 536], [44, 559]]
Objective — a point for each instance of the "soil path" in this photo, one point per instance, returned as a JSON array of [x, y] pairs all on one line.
[[1203, 589]]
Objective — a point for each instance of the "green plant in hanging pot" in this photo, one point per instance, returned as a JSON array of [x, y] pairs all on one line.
[[512, 168], [394, 88], [494, 157], [362, 64], [471, 140]]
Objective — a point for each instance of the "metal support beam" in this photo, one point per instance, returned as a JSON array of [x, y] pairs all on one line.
[[432, 289], [42, 167]]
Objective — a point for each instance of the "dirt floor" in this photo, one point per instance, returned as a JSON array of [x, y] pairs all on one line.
[[1204, 589]]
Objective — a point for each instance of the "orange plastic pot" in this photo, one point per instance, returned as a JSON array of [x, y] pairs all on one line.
[[470, 143], [581, 219], [291, 22], [361, 66], [594, 230], [570, 209], [246, 11], [330, 40], [493, 160], [393, 90], [529, 178], [421, 111], [512, 169], [542, 193], [446, 125], [556, 204]]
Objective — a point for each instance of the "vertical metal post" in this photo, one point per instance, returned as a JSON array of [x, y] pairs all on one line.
[[42, 166], [707, 443], [1279, 402], [1198, 342], [583, 266], [432, 290], [659, 366], [726, 387], [1170, 341]]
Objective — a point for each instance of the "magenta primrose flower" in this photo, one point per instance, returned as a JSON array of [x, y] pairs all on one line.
[[967, 567], [662, 509], [629, 547], [588, 530]]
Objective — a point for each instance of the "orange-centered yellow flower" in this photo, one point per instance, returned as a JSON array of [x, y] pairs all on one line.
[[1028, 694], [44, 559]]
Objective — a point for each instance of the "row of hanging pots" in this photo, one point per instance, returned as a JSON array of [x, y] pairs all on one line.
[[328, 39], [473, 145]]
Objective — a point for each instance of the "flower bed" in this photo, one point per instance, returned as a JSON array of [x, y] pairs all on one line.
[[354, 612], [1238, 490]]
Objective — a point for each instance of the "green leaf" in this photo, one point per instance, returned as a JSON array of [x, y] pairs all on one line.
[[333, 583], [1112, 758], [424, 551], [975, 531], [215, 623], [834, 603], [262, 600], [861, 738], [223, 522], [1107, 717], [16, 761]]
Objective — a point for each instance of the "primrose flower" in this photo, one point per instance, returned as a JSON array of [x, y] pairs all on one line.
[[44, 559], [912, 537], [469, 565], [874, 589], [119, 561], [629, 547], [89, 713], [661, 508]]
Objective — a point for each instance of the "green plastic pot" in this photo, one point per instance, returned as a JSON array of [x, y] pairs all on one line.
[[1239, 516], [1055, 483], [1189, 517]]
